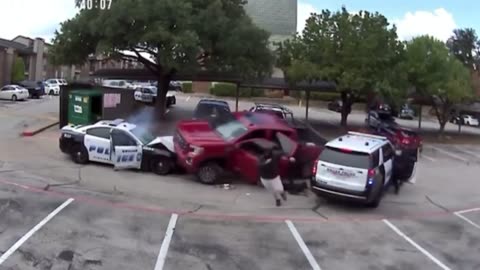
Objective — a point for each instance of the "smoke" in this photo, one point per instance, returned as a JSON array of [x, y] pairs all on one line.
[[144, 116]]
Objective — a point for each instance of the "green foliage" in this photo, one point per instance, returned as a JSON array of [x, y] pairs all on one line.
[[18, 70], [168, 36], [360, 52], [229, 90], [437, 74], [463, 44], [187, 87]]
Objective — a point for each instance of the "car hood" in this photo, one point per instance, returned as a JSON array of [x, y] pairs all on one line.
[[166, 141], [198, 131]]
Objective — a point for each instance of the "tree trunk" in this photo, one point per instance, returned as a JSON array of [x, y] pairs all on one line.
[[442, 126], [347, 101], [163, 83]]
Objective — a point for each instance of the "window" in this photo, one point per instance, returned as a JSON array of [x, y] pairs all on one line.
[[387, 152], [346, 158], [231, 130], [143, 134], [120, 138], [7, 88], [101, 132]]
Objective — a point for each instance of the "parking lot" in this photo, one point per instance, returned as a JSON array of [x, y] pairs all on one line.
[[55, 214]]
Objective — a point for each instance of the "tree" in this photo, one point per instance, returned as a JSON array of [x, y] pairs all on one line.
[[18, 70], [359, 52], [463, 44], [168, 36], [437, 75]]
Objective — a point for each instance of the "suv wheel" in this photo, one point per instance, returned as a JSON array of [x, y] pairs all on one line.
[[375, 202], [209, 173], [79, 154], [51, 93], [161, 166]]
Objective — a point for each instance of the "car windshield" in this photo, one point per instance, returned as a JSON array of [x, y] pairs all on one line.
[[345, 158], [143, 134], [231, 130]]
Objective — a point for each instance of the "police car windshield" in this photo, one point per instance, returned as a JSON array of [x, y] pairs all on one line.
[[143, 134], [345, 158]]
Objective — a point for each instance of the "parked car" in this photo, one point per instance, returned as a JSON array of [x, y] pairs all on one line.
[[355, 166], [122, 144], [35, 89], [281, 112], [407, 113], [13, 92], [57, 81], [148, 94], [335, 105], [51, 89], [210, 108], [375, 118], [234, 144], [124, 84], [469, 120]]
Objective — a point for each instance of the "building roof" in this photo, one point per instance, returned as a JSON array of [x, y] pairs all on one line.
[[266, 83], [15, 45]]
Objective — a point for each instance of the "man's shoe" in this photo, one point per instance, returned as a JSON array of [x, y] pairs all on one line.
[[278, 202]]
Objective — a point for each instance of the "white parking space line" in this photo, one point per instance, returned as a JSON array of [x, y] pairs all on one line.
[[468, 152], [449, 153], [468, 210], [467, 220], [302, 245], [188, 98], [417, 246], [427, 157], [162, 255], [29, 234]]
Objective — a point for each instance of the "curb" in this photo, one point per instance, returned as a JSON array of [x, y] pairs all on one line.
[[29, 133]]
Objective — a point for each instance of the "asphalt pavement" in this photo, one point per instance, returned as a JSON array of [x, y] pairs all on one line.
[[55, 214]]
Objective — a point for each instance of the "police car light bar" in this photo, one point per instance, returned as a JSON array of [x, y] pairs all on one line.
[[367, 135]]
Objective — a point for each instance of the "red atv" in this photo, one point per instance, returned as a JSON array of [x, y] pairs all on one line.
[[234, 144]]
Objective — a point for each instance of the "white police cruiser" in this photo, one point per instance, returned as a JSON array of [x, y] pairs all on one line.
[[122, 144], [355, 166]]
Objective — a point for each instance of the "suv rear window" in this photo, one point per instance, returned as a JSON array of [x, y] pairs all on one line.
[[345, 158]]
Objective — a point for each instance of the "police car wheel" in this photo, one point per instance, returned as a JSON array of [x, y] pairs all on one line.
[[80, 155], [161, 166], [209, 173]]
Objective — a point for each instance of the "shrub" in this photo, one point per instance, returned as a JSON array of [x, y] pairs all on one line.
[[229, 90], [187, 87]]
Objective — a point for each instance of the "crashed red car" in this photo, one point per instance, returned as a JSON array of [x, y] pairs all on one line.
[[234, 144]]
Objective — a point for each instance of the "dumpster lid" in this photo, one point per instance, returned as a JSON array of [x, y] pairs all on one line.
[[86, 92]]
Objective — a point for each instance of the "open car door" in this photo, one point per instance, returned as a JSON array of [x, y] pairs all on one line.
[[126, 152], [245, 158]]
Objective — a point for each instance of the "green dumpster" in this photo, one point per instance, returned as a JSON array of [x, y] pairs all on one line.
[[84, 106]]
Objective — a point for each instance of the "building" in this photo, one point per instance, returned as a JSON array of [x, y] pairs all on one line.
[[278, 17], [34, 53]]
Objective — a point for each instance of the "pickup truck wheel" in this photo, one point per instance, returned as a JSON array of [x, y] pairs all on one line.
[[161, 166], [209, 173], [79, 154]]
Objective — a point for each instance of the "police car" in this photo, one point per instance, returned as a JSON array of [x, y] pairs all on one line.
[[122, 144], [355, 166]]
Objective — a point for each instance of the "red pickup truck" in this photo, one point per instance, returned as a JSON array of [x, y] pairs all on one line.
[[208, 148]]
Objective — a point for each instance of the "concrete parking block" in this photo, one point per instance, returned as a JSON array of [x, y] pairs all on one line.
[[199, 244], [86, 236], [451, 240], [360, 245]]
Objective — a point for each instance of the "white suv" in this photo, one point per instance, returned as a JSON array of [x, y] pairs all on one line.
[[355, 166]]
